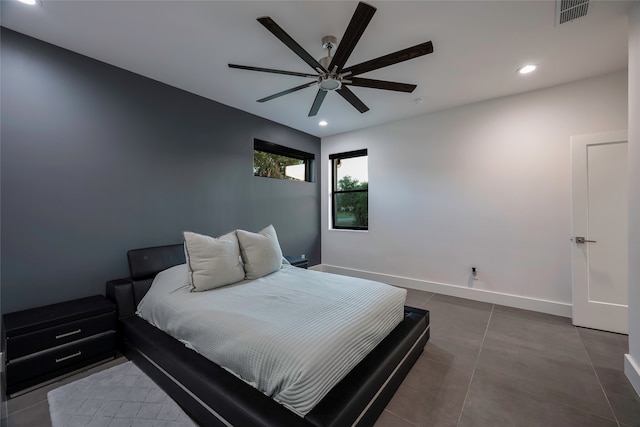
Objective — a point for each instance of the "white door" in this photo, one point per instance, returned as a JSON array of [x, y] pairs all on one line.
[[600, 231]]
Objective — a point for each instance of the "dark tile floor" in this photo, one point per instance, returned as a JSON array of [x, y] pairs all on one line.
[[484, 366], [494, 366]]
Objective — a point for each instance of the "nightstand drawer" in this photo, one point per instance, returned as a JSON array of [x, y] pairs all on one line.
[[57, 359], [34, 342]]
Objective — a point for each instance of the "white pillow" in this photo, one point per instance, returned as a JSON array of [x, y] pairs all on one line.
[[260, 251], [212, 262]]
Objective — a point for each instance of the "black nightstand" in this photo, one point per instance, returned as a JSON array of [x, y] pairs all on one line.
[[48, 342], [297, 261]]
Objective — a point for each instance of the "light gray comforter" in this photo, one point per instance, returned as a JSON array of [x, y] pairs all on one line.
[[293, 334]]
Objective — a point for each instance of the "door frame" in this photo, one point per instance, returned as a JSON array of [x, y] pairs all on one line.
[[579, 252]]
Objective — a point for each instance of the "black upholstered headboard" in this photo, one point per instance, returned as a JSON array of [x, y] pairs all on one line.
[[144, 264]]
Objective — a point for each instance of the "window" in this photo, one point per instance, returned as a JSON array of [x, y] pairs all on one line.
[[276, 161], [350, 190]]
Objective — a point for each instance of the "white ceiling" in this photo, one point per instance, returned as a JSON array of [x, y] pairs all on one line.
[[478, 45]]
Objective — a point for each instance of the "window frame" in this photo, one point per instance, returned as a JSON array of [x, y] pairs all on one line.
[[335, 191], [281, 150]]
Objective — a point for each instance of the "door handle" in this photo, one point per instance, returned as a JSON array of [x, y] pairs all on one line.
[[583, 240]]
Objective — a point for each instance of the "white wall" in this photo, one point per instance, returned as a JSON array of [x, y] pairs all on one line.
[[485, 185], [632, 362]]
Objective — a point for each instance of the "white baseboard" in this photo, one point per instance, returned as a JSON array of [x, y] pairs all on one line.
[[516, 301], [632, 370]]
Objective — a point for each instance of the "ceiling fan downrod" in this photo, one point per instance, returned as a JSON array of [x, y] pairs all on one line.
[[330, 80]]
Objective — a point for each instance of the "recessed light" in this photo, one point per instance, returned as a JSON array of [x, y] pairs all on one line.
[[527, 69], [323, 122], [29, 2]]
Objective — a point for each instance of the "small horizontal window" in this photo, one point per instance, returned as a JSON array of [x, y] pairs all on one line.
[[277, 161]]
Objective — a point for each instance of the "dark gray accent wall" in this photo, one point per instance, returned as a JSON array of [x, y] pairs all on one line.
[[96, 160]]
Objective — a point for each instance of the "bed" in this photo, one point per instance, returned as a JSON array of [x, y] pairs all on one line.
[[213, 396]]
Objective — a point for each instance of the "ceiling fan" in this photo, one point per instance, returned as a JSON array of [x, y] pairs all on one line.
[[330, 72]]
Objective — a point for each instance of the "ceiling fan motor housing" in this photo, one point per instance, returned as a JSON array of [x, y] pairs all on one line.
[[328, 81]]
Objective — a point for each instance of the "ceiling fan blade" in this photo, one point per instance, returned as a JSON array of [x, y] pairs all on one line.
[[317, 102], [270, 70], [286, 92], [285, 38], [381, 84], [352, 99], [390, 59], [361, 18]]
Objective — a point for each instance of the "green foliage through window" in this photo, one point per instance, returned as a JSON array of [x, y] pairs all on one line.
[[276, 161], [275, 166], [350, 199]]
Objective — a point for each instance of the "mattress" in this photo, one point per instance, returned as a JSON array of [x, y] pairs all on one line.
[[293, 334]]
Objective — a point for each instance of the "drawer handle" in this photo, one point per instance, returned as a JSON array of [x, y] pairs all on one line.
[[77, 331], [68, 357]]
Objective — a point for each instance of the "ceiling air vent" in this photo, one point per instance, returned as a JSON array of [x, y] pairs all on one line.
[[568, 10]]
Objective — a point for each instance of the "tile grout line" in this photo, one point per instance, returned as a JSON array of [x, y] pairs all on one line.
[[402, 418], [559, 402], [21, 411], [27, 407], [475, 365], [576, 408], [615, 417]]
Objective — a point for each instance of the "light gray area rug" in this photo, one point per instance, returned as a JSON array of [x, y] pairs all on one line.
[[121, 396]]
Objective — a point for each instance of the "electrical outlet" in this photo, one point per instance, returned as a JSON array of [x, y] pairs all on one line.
[[474, 273], [303, 256]]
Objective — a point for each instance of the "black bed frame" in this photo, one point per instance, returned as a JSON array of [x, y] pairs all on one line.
[[211, 396]]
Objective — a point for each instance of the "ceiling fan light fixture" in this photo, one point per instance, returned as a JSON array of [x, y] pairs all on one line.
[[328, 84]]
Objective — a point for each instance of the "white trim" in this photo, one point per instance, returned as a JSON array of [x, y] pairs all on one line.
[[602, 137], [632, 370], [586, 312], [517, 301]]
